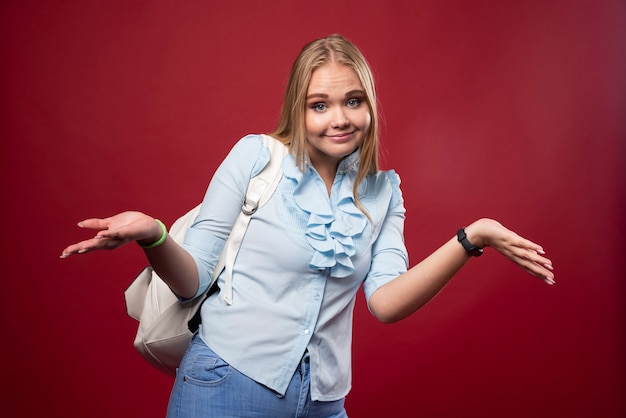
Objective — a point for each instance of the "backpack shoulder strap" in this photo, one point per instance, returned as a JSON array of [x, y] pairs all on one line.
[[260, 189], [262, 186]]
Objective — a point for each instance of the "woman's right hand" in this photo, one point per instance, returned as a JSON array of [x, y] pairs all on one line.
[[116, 231]]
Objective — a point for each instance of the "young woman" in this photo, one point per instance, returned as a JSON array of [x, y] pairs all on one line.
[[335, 222]]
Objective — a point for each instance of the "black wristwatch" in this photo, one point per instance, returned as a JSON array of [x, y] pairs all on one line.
[[471, 249]]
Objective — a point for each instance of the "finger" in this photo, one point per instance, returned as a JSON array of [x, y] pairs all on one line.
[[534, 263], [79, 248], [538, 271], [540, 259], [533, 246], [67, 252], [544, 274], [121, 233], [97, 243], [94, 223], [536, 253]]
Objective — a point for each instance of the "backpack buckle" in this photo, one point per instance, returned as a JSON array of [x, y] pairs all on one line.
[[249, 208]]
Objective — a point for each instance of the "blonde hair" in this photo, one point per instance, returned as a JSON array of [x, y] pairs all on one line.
[[291, 128]]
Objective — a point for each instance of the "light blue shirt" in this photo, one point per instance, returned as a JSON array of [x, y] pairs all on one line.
[[301, 262]]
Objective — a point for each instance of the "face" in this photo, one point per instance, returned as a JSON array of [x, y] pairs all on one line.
[[337, 116]]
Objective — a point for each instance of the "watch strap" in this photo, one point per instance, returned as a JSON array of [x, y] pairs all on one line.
[[468, 246]]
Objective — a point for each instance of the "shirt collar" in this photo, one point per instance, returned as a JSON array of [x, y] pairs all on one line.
[[348, 163]]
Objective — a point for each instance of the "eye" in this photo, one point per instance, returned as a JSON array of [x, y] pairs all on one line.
[[353, 102], [319, 107]]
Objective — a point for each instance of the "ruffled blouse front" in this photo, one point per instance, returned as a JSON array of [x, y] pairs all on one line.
[[331, 233]]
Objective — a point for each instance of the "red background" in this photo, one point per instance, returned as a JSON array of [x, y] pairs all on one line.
[[506, 109]]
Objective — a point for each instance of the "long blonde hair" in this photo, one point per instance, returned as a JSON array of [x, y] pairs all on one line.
[[291, 128]]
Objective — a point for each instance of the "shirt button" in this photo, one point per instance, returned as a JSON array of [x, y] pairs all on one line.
[[317, 296], [306, 331]]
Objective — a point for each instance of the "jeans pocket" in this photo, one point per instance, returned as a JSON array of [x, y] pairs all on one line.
[[204, 367]]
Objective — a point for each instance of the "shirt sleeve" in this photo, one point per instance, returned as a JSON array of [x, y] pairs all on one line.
[[222, 203], [389, 255]]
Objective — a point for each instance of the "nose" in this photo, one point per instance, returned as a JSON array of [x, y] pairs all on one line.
[[340, 119]]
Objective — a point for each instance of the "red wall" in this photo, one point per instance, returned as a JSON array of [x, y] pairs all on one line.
[[507, 109]]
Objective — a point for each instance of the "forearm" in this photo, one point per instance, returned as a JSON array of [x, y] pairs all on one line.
[[175, 266], [410, 291]]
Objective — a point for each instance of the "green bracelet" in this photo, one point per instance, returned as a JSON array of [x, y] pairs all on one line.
[[160, 240]]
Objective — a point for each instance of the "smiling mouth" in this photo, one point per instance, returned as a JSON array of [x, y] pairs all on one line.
[[340, 137]]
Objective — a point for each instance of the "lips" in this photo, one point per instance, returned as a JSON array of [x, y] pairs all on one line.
[[343, 137]]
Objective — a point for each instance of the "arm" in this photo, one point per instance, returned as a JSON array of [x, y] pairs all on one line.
[[171, 262], [410, 291]]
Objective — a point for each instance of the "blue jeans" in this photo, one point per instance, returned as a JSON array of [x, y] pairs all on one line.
[[207, 386]]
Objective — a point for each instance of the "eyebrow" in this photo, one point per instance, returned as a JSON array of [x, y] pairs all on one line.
[[325, 96]]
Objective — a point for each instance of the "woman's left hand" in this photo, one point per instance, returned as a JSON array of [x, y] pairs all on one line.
[[523, 252]]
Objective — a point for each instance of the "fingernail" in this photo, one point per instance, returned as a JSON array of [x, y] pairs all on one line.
[[80, 224], [540, 251], [549, 281], [548, 266], [81, 251]]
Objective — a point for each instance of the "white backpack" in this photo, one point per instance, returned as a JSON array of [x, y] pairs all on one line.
[[164, 333]]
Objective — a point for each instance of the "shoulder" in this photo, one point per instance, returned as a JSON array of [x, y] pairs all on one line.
[[392, 177], [249, 151], [250, 144], [383, 183]]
